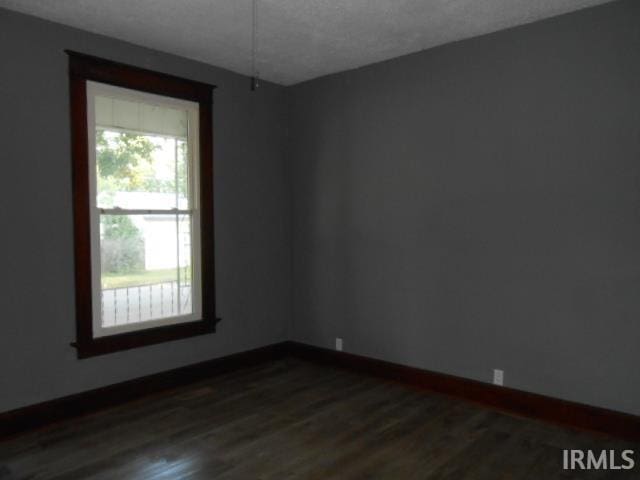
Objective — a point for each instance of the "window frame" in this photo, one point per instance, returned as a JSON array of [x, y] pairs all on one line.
[[85, 68], [102, 89]]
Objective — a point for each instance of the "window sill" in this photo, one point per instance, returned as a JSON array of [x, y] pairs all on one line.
[[152, 336]]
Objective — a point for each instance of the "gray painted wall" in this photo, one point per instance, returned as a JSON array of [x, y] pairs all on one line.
[[477, 206], [36, 285], [470, 207]]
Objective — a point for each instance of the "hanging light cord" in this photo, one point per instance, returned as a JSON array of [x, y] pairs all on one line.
[[254, 29]]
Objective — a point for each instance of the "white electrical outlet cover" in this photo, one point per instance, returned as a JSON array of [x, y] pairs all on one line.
[[498, 377], [338, 344]]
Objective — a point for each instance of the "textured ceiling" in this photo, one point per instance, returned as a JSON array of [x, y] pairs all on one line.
[[297, 39]]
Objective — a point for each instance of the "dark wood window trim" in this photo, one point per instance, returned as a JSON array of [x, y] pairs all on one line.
[[81, 69]]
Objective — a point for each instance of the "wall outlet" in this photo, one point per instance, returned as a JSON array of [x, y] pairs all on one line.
[[338, 344], [498, 377]]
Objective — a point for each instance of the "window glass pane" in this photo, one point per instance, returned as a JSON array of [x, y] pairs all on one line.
[[146, 269], [141, 155]]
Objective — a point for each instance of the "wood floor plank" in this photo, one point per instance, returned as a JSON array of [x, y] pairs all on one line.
[[291, 419]]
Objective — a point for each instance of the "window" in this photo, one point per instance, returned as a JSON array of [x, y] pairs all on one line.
[[142, 158]]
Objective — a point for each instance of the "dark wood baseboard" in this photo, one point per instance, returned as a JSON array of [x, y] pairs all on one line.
[[508, 400], [39, 415]]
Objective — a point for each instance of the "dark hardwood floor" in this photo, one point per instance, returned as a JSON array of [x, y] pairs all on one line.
[[290, 419]]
